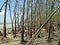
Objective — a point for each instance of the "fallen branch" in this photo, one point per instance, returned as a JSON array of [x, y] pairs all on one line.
[[38, 29]]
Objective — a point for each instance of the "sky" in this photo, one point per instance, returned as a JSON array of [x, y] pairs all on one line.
[[2, 13], [8, 14], [12, 6]]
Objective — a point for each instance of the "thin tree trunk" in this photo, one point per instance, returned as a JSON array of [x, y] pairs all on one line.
[[27, 15], [5, 19], [51, 28], [31, 20], [13, 28], [15, 32], [22, 31], [11, 18], [18, 23], [15, 17]]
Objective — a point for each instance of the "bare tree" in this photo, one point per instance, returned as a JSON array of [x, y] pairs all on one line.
[[15, 16], [18, 18], [31, 19], [22, 31], [51, 28], [5, 19], [28, 15], [12, 19]]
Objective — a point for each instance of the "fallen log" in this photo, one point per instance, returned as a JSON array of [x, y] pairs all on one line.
[[38, 29]]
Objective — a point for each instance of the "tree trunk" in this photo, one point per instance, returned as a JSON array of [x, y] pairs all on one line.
[[5, 19], [50, 36], [11, 18], [15, 25], [27, 15], [31, 20], [15, 17], [22, 31], [13, 29]]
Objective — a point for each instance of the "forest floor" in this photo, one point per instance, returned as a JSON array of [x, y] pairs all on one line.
[[38, 41]]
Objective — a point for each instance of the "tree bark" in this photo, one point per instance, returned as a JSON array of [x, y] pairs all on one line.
[[11, 18], [5, 19], [31, 20], [22, 31]]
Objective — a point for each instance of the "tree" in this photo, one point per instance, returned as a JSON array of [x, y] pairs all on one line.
[[15, 16], [5, 19], [18, 17], [51, 28], [28, 14], [40, 10], [22, 31], [12, 19], [31, 19]]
